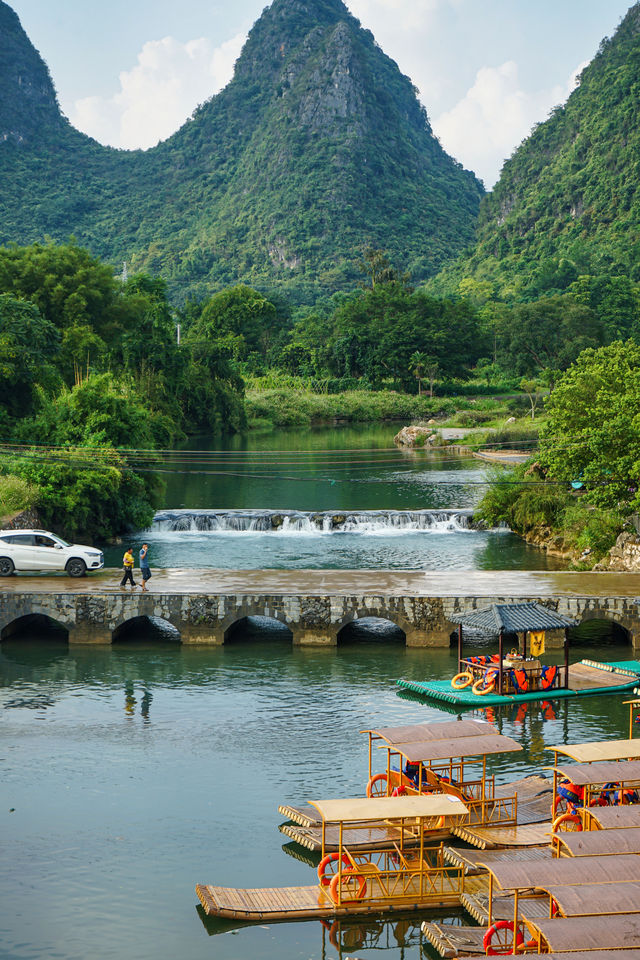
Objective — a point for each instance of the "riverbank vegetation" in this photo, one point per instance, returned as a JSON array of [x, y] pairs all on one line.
[[92, 361], [583, 483]]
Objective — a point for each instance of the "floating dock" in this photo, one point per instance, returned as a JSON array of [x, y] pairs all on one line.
[[274, 904], [585, 678]]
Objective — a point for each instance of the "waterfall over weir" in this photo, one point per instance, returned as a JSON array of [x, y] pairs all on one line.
[[381, 522]]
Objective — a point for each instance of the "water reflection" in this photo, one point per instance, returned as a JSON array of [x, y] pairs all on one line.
[[165, 765], [343, 936]]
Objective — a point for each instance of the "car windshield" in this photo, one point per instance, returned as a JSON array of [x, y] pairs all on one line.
[[63, 542]]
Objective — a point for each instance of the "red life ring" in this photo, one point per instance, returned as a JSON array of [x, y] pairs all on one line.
[[324, 863], [349, 874], [399, 791], [500, 925], [567, 818], [379, 777]]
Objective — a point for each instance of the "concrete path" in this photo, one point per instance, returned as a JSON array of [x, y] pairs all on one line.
[[451, 583]]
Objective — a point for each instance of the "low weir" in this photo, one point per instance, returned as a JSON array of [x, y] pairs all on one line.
[[315, 605], [324, 521]]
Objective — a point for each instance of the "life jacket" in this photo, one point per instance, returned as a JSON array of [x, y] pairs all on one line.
[[548, 677], [412, 770], [520, 680], [572, 793], [625, 796], [607, 795]]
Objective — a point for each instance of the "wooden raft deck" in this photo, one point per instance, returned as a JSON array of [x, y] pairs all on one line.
[[451, 940], [488, 838], [584, 676], [273, 904], [469, 859]]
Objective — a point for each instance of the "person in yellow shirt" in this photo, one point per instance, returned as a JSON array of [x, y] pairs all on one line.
[[127, 563]]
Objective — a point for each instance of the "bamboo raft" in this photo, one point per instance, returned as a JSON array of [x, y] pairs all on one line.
[[275, 904], [585, 677], [362, 882], [533, 799]]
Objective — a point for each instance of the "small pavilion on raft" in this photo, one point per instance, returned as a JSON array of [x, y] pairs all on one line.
[[501, 619]]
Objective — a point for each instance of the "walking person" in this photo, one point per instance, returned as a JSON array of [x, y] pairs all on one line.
[[127, 563], [145, 571]]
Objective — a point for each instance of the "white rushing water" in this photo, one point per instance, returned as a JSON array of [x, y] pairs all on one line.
[[301, 523]]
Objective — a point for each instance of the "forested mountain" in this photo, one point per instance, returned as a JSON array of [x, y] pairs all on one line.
[[568, 201], [317, 148]]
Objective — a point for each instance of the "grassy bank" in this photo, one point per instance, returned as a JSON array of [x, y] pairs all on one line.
[[295, 404], [16, 495], [289, 408]]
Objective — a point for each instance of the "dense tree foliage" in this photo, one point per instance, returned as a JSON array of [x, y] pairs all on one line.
[[87, 361], [592, 435]]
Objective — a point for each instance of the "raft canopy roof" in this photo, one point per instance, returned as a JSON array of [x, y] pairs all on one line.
[[522, 874], [624, 816], [597, 842], [513, 618], [605, 771], [593, 933], [600, 750], [449, 749], [424, 732], [360, 809], [582, 900]]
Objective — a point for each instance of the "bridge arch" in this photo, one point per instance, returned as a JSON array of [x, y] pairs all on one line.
[[370, 629], [33, 626], [600, 628], [256, 628], [145, 629]]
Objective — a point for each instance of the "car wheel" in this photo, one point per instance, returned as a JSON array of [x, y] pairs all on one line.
[[6, 567], [76, 567]]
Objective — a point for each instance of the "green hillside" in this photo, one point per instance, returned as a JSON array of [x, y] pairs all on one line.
[[568, 201], [317, 148]]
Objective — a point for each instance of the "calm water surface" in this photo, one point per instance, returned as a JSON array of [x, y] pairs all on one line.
[[132, 772]]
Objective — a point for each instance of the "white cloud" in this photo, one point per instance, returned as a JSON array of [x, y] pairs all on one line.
[[410, 14], [494, 116], [158, 94]]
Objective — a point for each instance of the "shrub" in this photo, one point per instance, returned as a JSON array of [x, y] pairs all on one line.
[[16, 494]]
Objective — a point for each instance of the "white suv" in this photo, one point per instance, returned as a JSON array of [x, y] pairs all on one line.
[[41, 550]]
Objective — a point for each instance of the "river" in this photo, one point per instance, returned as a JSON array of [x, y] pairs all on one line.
[[134, 771], [391, 503]]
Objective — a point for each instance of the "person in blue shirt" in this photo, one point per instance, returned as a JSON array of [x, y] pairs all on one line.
[[145, 571]]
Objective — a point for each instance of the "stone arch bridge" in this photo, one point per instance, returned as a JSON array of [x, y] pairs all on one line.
[[203, 606]]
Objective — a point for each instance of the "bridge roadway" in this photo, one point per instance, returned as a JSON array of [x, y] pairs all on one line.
[[315, 604]]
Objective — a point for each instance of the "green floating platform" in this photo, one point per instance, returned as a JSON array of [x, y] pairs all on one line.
[[628, 672]]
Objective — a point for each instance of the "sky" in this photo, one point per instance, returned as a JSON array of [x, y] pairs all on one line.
[[130, 72]]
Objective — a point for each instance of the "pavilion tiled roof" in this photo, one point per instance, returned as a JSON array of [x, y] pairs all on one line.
[[513, 618]]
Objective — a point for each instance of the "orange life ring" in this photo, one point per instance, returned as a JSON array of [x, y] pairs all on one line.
[[379, 777], [350, 874], [481, 690], [440, 822], [567, 818], [488, 937], [324, 863], [465, 676]]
